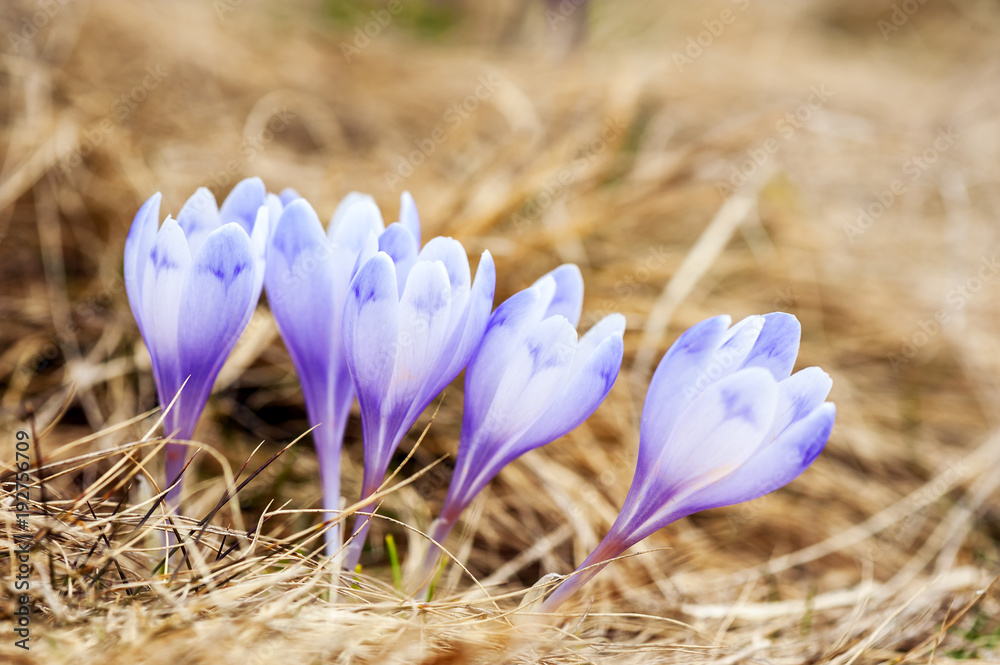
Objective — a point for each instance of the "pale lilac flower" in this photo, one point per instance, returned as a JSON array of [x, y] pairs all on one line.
[[409, 328], [531, 381], [193, 284], [724, 422], [308, 279]]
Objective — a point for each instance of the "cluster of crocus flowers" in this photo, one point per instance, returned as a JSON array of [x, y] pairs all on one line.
[[367, 313]]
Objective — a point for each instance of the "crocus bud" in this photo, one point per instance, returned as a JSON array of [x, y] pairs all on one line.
[[193, 284], [404, 347], [308, 278], [530, 382], [724, 422]]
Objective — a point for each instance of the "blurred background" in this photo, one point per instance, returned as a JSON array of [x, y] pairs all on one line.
[[834, 159]]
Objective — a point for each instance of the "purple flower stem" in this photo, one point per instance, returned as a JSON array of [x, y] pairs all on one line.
[[327, 440], [356, 542], [595, 563], [425, 576]]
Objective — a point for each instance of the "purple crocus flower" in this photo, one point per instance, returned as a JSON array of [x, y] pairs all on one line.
[[724, 422], [410, 327], [308, 279], [531, 381], [193, 284]]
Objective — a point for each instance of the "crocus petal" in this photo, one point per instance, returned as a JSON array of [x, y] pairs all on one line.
[[138, 245], [612, 325], [274, 209], [243, 202], [199, 216], [424, 317], [450, 253], [776, 465], [216, 305], [401, 246], [568, 298], [720, 430], [777, 345], [300, 282], [799, 395], [163, 285], [504, 331], [288, 195], [593, 371], [469, 331], [408, 216], [371, 325], [356, 217], [680, 376], [779, 458], [535, 370], [258, 244], [736, 346]]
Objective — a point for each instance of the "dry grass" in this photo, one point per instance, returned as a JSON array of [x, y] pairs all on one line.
[[884, 551]]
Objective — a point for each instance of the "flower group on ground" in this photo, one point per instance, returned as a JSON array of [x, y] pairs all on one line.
[[370, 314]]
